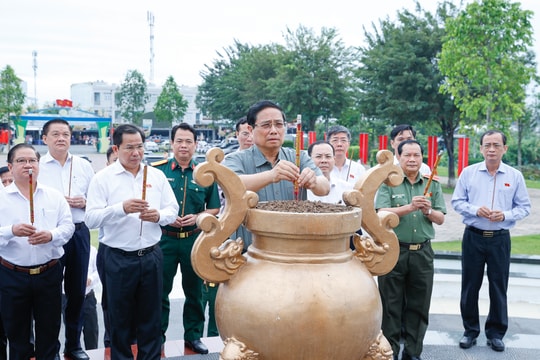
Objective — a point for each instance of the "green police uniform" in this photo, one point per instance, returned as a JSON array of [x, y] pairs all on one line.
[[406, 290], [176, 245]]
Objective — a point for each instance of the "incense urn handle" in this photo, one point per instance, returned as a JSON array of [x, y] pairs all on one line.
[[226, 257]]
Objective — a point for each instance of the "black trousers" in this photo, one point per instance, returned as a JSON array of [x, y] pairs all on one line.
[[24, 297], [3, 341], [134, 290], [75, 262], [478, 251]]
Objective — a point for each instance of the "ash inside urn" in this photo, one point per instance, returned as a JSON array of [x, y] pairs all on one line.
[[302, 206]]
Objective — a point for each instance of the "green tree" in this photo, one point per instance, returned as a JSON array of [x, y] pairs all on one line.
[[133, 97], [170, 105], [236, 80], [314, 76], [487, 61], [399, 78], [11, 95]]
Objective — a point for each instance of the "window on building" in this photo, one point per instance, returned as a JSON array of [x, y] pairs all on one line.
[[97, 98]]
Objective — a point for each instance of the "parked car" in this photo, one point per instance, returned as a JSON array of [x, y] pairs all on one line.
[[151, 146], [150, 157], [199, 158]]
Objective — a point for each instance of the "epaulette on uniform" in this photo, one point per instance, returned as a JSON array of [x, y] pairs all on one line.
[[435, 177], [159, 162]]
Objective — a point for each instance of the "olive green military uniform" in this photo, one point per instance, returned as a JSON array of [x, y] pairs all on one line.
[[176, 245], [406, 290]]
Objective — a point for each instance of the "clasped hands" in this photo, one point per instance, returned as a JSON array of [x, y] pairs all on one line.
[[141, 206], [421, 203], [286, 170], [34, 237], [491, 215]]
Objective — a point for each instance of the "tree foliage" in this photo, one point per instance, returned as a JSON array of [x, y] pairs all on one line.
[[315, 74], [133, 97], [399, 78], [170, 105], [311, 76], [11, 94], [236, 80], [487, 61]]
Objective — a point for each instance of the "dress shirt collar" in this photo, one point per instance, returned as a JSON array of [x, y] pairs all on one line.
[[49, 158]]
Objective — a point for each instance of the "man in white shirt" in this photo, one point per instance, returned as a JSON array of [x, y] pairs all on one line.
[[35, 225], [322, 154], [129, 202], [401, 133], [244, 134], [71, 175], [344, 169]]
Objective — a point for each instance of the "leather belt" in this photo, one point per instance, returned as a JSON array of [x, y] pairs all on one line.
[[180, 234], [414, 247], [488, 233], [31, 270], [140, 252]]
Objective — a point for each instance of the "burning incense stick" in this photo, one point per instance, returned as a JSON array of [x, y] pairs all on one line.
[[433, 172], [298, 145], [70, 175], [31, 186], [145, 174]]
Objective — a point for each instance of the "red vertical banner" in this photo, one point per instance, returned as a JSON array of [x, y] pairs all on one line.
[[383, 142], [463, 154], [363, 147], [312, 137], [301, 134], [432, 151], [324, 137]]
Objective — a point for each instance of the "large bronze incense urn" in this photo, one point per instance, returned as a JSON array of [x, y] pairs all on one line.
[[299, 292]]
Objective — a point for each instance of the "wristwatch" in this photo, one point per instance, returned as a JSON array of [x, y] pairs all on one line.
[[429, 212]]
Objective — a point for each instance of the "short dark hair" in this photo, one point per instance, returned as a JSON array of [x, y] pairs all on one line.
[[493, 132], [109, 153], [4, 169], [55, 121], [407, 142], [126, 129], [256, 108], [336, 129], [319, 142], [183, 126], [398, 129], [13, 150], [241, 121]]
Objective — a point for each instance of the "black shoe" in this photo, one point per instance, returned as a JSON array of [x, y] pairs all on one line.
[[496, 344], [77, 354], [406, 356], [197, 346], [467, 342]]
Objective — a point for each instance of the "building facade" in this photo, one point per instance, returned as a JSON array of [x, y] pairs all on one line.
[[98, 97]]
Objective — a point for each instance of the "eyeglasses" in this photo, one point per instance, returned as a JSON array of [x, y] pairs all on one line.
[[22, 161], [496, 146], [131, 148], [267, 125]]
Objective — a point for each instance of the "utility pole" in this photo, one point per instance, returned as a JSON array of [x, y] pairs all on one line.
[[150, 18], [34, 66]]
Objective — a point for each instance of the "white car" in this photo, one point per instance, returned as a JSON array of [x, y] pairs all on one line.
[[151, 146]]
